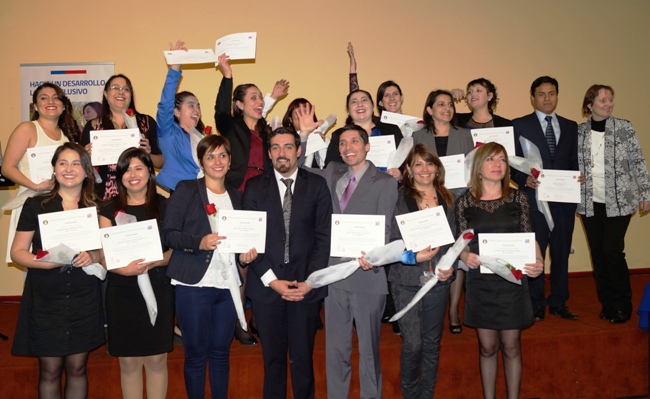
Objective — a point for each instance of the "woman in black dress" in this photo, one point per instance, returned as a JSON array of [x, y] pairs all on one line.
[[131, 336], [498, 309], [60, 319]]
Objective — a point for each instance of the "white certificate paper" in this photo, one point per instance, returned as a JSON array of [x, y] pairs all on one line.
[[109, 144], [380, 149], [128, 242], [502, 135], [77, 228], [518, 249], [559, 186], [454, 171], [428, 227], [394, 118], [194, 56], [243, 230], [238, 46], [352, 234], [40, 162]]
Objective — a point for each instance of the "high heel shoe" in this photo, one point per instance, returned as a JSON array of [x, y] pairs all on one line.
[[244, 338], [455, 328]]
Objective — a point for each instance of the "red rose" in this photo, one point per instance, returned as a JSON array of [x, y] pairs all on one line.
[[517, 273], [478, 144], [40, 254], [468, 236], [117, 212], [534, 172], [207, 131], [130, 112], [211, 209]]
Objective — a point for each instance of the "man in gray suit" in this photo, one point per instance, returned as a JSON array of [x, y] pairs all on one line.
[[357, 187]]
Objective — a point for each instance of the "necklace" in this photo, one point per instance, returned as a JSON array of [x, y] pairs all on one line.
[[595, 154], [428, 201]]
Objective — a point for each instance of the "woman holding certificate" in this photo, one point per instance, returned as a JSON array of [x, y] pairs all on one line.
[[497, 308], [131, 335], [119, 112], [208, 302], [51, 125], [616, 186], [421, 328], [60, 319], [482, 100], [443, 135]]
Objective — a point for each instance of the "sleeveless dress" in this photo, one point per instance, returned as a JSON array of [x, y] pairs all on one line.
[[130, 332], [490, 301], [42, 140]]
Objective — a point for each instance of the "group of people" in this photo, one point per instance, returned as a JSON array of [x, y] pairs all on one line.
[[249, 166]]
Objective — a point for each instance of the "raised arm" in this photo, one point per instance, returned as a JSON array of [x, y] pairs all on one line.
[[354, 80], [222, 109]]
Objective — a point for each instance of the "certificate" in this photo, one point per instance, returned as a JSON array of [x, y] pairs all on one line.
[[243, 230], [518, 249], [128, 242], [195, 56], [238, 46], [352, 234], [428, 227], [394, 118], [380, 149], [40, 162], [109, 144], [502, 135], [77, 228], [559, 186], [454, 171]]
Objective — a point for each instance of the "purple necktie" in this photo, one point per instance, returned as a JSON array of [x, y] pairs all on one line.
[[348, 192]]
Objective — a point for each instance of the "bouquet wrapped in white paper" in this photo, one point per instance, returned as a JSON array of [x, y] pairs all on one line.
[[64, 255]]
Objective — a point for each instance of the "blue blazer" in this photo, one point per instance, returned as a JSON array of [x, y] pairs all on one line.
[[309, 232], [185, 224]]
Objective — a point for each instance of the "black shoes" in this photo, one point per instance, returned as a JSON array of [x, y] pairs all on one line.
[[244, 337], [538, 312], [619, 317], [563, 312]]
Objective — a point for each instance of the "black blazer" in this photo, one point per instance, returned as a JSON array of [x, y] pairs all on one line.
[[333, 153], [566, 150], [185, 224], [238, 134], [309, 232], [463, 118]]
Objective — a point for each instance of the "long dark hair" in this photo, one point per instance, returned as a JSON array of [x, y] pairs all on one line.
[[106, 107], [431, 99], [153, 204], [238, 95], [88, 197], [66, 123], [295, 104], [178, 101], [427, 155]]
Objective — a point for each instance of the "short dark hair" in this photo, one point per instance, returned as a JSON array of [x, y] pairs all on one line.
[[590, 97], [491, 88], [210, 142], [285, 130], [362, 132], [540, 81], [347, 103], [382, 89]]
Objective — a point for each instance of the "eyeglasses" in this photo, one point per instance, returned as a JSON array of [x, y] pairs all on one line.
[[124, 89]]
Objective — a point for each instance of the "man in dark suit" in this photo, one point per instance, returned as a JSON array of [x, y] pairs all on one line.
[[557, 141], [298, 208], [360, 298]]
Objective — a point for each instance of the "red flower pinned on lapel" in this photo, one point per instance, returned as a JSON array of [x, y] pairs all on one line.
[[130, 112], [211, 209]]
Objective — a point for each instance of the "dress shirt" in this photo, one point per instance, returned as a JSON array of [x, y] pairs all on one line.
[[554, 121], [342, 184]]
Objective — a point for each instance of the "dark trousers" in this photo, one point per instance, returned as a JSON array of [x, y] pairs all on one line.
[[559, 241], [606, 237], [207, 316], [421, 331], [287, 327]]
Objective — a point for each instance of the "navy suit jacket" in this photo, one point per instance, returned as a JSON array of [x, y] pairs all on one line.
[[309, 232], [185, 224], [566, 149]]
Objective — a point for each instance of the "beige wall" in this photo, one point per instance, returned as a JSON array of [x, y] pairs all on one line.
[[422, 44]]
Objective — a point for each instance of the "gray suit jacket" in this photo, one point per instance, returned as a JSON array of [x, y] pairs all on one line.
[[460, 141], [375, 194]]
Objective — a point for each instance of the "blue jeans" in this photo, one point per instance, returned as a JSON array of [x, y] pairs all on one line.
[[207, 319]]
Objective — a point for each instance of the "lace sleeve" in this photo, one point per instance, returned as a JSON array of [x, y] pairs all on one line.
[[525, 223], [461, 222]]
